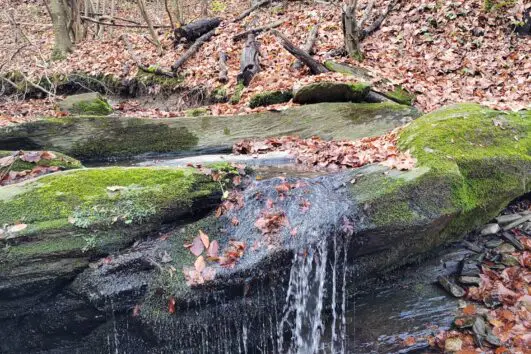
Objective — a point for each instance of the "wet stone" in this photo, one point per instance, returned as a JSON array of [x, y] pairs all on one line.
[[472, 246], [505, 248], [513, 240], [490, 229], [517, 222], [493, 243], [507, 219], [451, 287], [468, 268], [468, 280]]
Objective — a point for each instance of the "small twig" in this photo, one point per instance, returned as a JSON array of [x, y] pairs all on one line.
[[378, 22], [192, 50], [257, 30]]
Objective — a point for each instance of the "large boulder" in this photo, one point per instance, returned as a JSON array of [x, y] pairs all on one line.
[[52, 226], [328, 91], [91, 103], [89, 138]]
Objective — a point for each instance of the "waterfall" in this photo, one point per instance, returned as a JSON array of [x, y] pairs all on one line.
[[302, 323]]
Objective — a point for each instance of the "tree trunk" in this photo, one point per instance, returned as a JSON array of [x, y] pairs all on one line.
[[250, 62], [351, 31], [154, 36], [63, 44]]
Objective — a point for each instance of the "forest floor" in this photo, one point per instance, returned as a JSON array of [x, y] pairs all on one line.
[[443, 52]]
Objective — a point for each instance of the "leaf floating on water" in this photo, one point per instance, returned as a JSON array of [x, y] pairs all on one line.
[[197, 246], [204, 238], [409, 341], [171, 305]]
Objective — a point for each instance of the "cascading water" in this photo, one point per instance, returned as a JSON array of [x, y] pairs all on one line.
[[302, 324]]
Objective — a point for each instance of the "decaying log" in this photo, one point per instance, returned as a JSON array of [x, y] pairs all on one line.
[[102, 23], [223, 69], [250, 62], [305, 58], [196, 29], [192, 50], [310, 42], [251, 9], [257, 30], [138, 63]]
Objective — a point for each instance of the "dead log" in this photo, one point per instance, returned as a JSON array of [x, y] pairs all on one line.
[[250, 62], [251, 9], [89, 19], [305, 58], [156, 71], [257, 30], [223, 69], [192, 50], [196, 29], [310, 42]]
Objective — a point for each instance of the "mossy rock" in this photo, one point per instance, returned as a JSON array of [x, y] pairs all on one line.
[[61, 160], [268, 98], [197, 112], [397, 93], [237, 95], [86, 104], [91, 212], [331, 92], [99, 138]]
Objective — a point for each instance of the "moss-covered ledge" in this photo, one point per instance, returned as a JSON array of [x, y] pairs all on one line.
[[82, 213], [97, 138]]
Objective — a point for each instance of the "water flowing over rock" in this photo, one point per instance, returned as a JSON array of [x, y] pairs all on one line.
[[287, 289]]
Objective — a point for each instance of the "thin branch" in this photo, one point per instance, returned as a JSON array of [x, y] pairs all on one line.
[[314, 65], [169, 14], [257, 30], [192, 50], [138, 63], [89, 19], [378, 22], [366, 14], [310, 42], [249, 11]]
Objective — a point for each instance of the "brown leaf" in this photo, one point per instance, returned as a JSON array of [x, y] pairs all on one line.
[[200, 264], [171, 305], [30, 156], [213, 250], [197, 246], [204, 238], [48, 155]]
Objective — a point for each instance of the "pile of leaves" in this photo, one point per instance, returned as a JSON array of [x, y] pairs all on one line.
[[334, 154], [498, 319], [8, 176], [202, 272]]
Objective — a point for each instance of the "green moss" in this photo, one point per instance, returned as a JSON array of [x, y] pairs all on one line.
[[97, 107], [328, 91], [219, 95], [63, 161], [237, 95], [197, 112], [400, 95], [101, 196], [122, 138], [270, 97], [165, 83]]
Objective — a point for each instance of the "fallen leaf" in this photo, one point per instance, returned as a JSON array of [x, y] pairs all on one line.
[[197, 246], [171, 305], [204, 238], [200, 264]]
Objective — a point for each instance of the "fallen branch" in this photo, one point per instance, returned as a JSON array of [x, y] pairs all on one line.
[[223, 69], [196, 29], [28, 81], [250, 62], [250, 10], [378, 22], [310, 42], [192, 50], [89, 19], [366, 14], [305, 58], [257, 30], [156, 71]]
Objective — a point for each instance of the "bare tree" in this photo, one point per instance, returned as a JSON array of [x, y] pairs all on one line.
[[152, 32], [354, 31], [63, 45]]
